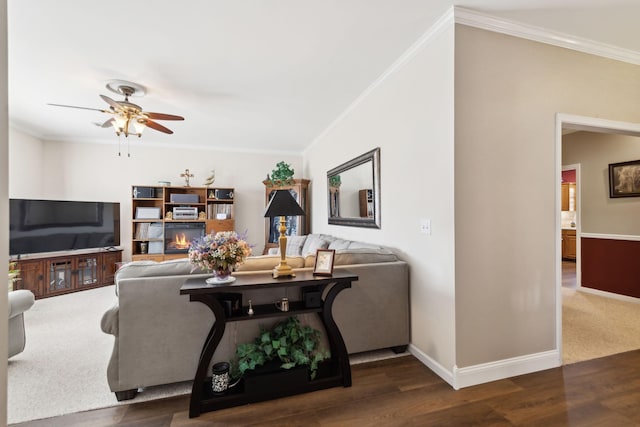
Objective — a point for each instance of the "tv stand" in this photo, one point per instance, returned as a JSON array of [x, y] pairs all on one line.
[[62, 273]]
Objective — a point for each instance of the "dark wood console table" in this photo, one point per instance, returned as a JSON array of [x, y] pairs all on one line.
[[202, 398]]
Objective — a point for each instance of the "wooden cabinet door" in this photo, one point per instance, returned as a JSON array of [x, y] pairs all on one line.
[[570, 246], [565, 197], [568, 196], [32, 277], [108, 266], [59, 276]]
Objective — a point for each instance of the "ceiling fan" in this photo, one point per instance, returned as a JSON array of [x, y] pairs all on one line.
[[128, 118]]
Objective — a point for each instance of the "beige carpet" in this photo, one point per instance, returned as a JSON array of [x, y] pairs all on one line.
[[595, 326], [63, 368]]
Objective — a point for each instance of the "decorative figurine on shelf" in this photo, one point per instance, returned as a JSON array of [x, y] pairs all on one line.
[[169, 216], [202, 215], [210, 178], [250, 312], [186, 175]]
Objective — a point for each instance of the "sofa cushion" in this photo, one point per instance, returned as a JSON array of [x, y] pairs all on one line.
[[339, 244], [174, 267], [313, 243], [268, 262], [294, 245], [362, 245], [357, 256]]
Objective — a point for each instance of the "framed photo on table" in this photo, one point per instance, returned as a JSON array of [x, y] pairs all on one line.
[[324, 262]]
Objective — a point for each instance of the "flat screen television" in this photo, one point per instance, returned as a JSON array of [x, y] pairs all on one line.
[[37, 226]]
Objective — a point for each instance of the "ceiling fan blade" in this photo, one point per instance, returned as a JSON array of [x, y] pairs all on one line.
[[81, 108], [111, 102], [107, 124], [157, 126], [162, 116]]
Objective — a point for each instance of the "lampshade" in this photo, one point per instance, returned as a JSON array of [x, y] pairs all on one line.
[[283, 204]]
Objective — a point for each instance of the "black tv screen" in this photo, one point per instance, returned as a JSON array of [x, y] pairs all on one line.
[[37, 226]]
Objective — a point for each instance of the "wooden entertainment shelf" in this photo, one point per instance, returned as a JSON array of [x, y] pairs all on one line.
[[154, 211], [51, 275]]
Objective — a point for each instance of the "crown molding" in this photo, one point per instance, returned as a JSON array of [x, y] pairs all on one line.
[[444, 22], [484, 21]]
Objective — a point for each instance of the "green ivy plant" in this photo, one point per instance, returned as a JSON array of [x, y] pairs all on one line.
[[282, 174], [287, 341], [335, 181]]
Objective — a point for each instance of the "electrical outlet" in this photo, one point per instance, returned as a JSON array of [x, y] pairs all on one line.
[[425, 226]]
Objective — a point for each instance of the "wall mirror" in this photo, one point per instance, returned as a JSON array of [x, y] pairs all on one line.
[[354, 191]]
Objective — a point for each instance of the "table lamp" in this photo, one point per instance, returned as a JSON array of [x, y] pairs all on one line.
[[283, 204]]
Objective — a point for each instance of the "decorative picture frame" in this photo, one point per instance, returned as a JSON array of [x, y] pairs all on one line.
[[147, 213], [624, 179], [324, 262]]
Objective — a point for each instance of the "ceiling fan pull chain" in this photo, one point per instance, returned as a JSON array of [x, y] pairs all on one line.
[[119, 145]]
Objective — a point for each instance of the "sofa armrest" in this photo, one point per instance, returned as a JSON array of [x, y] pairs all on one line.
[[19, 302], [109, 321]]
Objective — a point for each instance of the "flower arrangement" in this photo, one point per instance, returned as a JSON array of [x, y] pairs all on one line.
[[218, 253]]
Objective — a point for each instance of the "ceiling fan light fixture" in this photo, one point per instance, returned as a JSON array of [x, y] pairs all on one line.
[[139, 125], [119, 123]]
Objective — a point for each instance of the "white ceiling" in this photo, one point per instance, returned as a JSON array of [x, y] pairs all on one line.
[[247, 75]]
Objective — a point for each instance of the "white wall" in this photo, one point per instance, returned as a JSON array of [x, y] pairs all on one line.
[[4, 205], [409, 115], [26, 164], [77, 171]]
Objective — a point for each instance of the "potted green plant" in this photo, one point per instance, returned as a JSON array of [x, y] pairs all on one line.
[[282, 175], [288, 342]]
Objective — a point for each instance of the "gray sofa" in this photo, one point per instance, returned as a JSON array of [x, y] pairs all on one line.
[[158, 333], [19, 302]]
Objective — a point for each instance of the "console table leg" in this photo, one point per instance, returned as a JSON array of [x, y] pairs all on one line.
[[338, 348], [213, 339]]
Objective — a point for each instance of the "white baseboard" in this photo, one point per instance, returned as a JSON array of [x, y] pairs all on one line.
[[606, 294], [492, 371], [439, 370]]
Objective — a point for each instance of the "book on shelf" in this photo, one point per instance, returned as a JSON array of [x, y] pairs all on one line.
[[142, 231], [219, 211]]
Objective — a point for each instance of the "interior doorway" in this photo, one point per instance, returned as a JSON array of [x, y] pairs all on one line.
[[570, 224], [566, 123]]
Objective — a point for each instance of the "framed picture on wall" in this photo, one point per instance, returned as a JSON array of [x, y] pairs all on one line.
[[624, 179]]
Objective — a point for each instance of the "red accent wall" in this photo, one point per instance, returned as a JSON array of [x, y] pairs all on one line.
[[569, 176], [611, 265]]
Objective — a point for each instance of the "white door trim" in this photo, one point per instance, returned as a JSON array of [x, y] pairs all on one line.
[[576, 167], [592, 124]]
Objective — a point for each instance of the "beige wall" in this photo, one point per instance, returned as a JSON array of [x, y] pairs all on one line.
[[594, 151], [508, 91], [409, 115], [4, 205], [75, 171]]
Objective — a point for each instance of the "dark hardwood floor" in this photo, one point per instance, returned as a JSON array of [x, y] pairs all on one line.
[[403, 392]]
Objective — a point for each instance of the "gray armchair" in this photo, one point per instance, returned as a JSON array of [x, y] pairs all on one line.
[[19, 302]]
